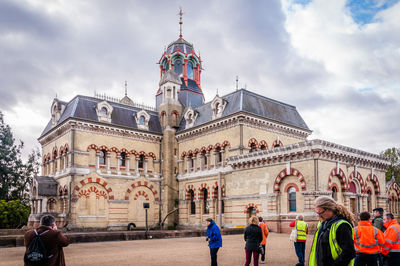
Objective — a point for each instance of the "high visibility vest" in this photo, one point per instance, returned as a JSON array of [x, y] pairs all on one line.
[[392, 238], [367, 238], [336, 250], [301, 228]]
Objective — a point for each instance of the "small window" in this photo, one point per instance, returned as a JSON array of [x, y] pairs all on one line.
[[253, 147], [141, 161], [102, 157], [123, 159], [334, 193], [190, 70], [103, 111], [219, 154], [262, 147], [142, 120], [206, 208], [292, 199], [204, 153], [192, 203], [178, 67]]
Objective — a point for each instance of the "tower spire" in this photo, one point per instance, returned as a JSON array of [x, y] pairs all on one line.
[[126, 88], [180, 22]]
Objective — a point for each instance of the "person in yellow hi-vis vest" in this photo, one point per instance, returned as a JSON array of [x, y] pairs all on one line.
[[333, 242], [300, 244]]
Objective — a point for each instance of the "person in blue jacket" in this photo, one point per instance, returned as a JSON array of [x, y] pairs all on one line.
[[214, 240]]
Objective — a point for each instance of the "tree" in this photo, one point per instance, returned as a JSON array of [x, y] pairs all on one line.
[[393, 155], [15, 175]]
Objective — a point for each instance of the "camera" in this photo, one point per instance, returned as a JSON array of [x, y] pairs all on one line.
[[207, 238]]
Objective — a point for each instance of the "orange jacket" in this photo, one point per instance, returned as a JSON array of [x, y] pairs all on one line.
[[265, 232], [392, 237], [367, 238]]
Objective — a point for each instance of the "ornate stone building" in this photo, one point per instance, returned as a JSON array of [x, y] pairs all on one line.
[[239, 155]]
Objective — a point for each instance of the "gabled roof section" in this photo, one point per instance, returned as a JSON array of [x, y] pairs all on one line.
[[84, 108], [245, 101]]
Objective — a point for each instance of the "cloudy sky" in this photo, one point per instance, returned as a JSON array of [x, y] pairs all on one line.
[[337, 61]]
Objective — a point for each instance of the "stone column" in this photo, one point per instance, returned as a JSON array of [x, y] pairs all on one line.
[[137, 167], [145, 167], [201, 162], [208, 161], [108, 163], [215, 159], [97, 161], [40, 206], [127, 165], [194, 158], [119, 164], [188, 165], [223, 163]]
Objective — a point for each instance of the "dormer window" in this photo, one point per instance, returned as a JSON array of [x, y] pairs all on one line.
[[218, 107], [104, 111], [190, 117], [57, 108], [142, 120]]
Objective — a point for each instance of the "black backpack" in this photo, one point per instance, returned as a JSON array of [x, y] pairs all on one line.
[[36, 251]]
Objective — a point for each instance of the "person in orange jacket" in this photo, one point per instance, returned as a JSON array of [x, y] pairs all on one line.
[[391, 248], [367, 242], [265, 233]]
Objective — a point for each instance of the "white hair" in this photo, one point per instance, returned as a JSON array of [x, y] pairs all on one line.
[[300, 217]]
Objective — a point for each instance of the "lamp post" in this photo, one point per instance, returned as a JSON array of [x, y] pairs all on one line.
[[146, 206]]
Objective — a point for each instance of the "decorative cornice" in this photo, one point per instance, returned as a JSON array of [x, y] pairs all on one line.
[[243, 118], [312, 149]]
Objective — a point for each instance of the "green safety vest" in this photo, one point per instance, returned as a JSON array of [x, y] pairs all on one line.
[[301, 228], [336, 250]]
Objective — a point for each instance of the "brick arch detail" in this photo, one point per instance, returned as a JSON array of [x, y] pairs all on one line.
[[139, 184], [152, 155], [225, 144], [289, 186], [94, 147], [98, 181], [188, 189], [342, 178], [142, 153], [276, 143], [394, 187], [200, 191], [196, 151], [360, 180], [214, 193], [141, 193], [54, 152], [116, 150], [368, 188], [251, 141], [183, 155], [210, 147], [334, 185], [375, 182], [255, 206], [284, 173], [262, 142], [93, 189], [65, 190]]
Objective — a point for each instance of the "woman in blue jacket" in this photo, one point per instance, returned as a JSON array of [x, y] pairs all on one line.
[[214, 240]]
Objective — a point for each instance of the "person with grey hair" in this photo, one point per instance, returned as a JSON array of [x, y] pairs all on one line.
[[52, 239], [300, 244]]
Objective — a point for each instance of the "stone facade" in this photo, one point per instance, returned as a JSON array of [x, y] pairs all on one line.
[[239, 155]]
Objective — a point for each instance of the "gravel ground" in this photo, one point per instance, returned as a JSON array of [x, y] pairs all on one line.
[[190, 251]]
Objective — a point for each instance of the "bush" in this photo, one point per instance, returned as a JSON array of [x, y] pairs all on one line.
[[13, 214]]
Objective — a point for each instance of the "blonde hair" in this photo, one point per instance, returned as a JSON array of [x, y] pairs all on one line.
[[253, 220], [327, 203]]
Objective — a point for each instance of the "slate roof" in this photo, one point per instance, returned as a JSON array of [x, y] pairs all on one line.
[[192, 86], [246, 101], [181, 44], [47, 186], [84, 108]]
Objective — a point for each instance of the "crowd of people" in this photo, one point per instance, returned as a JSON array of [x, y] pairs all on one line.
[[338, 239]]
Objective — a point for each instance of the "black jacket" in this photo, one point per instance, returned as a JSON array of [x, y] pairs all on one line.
[[344, 237], [253, 237]]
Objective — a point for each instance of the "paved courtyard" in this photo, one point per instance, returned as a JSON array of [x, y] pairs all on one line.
[[190, 251]]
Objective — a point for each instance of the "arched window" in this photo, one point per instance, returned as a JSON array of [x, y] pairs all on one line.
[[55, 161], [191, 158], [190, 70], [178, 67], [334, 193], [192, 203], [141, 161], [219, 154], [352, 187], [204, 153], [123, 159], [102, 157], [292, 199], [263, 147], [251, 211], [142, 120], [206, 208], [169, 92], [253, 147], [103, 111]]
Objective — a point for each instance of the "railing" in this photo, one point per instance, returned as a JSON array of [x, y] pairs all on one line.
[[116, 100]]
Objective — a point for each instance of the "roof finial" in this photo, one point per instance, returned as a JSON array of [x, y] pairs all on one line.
[[126, 88], [217, 92], [237, 82], [180, 22]]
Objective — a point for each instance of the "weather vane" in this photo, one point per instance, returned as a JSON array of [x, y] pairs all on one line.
[[126, 88], [180, 21]]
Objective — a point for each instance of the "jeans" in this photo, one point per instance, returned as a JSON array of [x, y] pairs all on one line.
[[363, 259], [213, 253], [248, 257], [300, 248], [263, 255]]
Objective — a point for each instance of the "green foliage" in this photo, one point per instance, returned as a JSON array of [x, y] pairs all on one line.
[[15, 175], [13, 214], [393, 155]]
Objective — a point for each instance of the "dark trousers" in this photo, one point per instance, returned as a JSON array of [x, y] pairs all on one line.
[[394, 259], [213, 253], [300, 248], [363, 259], [248, 257], [263, 255]]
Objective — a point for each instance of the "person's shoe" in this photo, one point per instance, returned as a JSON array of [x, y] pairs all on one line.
[[262, 262]]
